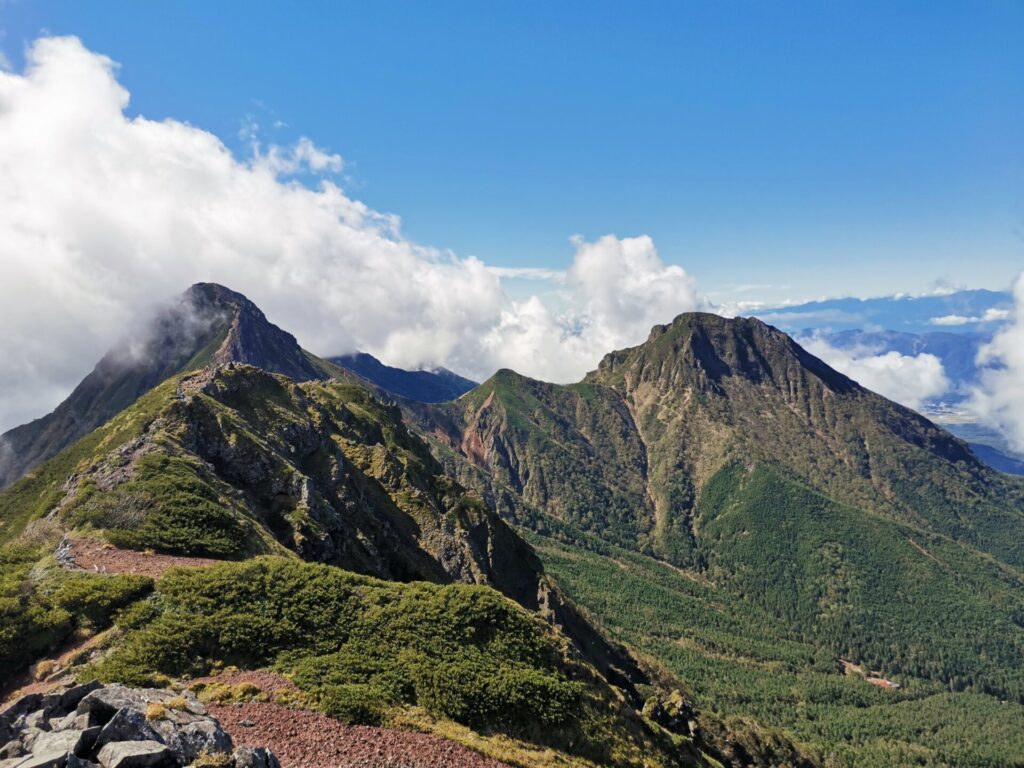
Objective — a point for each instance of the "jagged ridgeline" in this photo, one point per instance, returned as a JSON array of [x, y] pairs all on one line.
[[451, 624], [804, 517], [770, 537], [234, 463]]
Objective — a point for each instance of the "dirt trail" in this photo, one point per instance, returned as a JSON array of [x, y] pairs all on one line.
[[302, 739], [98, 556]]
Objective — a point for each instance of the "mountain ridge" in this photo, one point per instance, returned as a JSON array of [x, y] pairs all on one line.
[[207, 325], [433, 386]]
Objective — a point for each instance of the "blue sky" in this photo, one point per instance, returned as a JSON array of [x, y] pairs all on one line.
[[775, 150]]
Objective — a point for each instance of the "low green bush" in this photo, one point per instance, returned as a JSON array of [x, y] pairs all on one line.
[[357, 644], [40, 610]]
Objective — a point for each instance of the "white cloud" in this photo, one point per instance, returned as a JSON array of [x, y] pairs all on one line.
[[991, 315], [908, 379], [528, 273], [102, 215], [998, 400]]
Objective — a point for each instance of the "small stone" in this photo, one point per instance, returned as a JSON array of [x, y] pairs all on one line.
[[78, 762], [258, 757], [63, 723], [135, 754], [247, 723]]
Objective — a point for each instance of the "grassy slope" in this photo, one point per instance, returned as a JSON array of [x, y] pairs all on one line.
[[367, 650]]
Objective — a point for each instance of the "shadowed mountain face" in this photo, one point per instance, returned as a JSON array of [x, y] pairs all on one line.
[[207, 325], [436, 386], [723, 447]]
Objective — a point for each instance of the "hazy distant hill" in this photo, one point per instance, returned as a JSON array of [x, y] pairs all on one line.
[[434, 386]]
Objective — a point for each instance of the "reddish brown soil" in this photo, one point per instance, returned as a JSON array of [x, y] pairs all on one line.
[[94, 555], [302, 739]]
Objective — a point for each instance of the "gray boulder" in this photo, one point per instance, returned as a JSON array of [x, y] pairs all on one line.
[[127, 724], [13, 748], [184, 731], [89, 726], [136, 754], [44, 760], [69, 742]]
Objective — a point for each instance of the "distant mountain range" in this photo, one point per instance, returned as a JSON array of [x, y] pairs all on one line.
[[953, 327], [434, 386], [958, 311]]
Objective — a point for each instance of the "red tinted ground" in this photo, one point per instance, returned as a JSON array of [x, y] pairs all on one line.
[[302, 739], [94, 555]]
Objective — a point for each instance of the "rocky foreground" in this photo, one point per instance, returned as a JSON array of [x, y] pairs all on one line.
[[92, 726]]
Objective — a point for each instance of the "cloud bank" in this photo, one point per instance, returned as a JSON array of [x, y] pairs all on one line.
[[102, 215], [998, 400], [910, 380], [992, 315]]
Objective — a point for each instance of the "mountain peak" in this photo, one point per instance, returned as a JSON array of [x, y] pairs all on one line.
[[208, 324], [716, 348]]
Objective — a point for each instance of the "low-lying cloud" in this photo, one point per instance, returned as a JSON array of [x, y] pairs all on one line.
[[998, 400], [102, 215], [992, 315], [910, 380]]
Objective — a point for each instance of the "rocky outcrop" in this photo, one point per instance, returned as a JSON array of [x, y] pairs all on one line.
[[92, 726]]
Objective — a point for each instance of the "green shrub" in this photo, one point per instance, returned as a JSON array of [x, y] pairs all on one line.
[[38, 612], [353, 704], [93, 598], [357, 644]]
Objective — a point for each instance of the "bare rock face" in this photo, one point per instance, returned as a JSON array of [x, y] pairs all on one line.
[[91, 726]]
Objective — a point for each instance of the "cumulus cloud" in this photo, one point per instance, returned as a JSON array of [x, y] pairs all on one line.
[[998, 399], [991, 315], [910, 380], [102, 215]]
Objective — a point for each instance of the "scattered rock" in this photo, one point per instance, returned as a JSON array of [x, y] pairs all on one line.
[[91, 726]]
